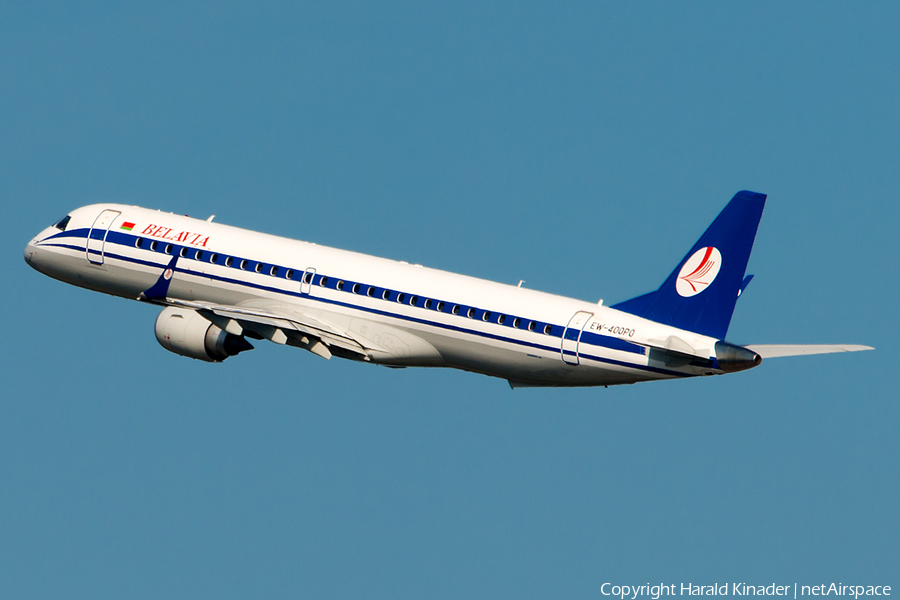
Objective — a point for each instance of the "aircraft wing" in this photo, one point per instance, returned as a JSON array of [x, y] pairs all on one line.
[[776, 350], [281, 325]]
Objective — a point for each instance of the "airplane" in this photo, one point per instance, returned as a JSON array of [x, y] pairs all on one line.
[[220, 286]]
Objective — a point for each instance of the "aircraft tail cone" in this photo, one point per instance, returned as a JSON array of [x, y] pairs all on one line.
[[733, 358]]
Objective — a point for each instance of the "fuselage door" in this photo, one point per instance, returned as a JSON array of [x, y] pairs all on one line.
[[97, 235], [306, 282], [572, 335]]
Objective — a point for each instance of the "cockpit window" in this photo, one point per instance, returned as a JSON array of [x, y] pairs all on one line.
[[63, 223]]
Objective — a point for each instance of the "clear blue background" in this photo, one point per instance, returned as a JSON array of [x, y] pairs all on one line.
[[580, 147]]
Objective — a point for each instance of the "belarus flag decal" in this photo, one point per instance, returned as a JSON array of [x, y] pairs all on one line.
[[127, 226]]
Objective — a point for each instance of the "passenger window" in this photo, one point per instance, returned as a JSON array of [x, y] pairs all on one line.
[[323, 281], [355, 288], [486, 316], [531, 326], [168, 248], [258, 267], [455, 310], [501, 319], [273, 271], [289, 274], [340, 285], [370, 292], [440, 307], [385, 294], [138, 242], [183, 252], [214, 258], [548, 329], [516, 322], [307, 278], [199, 255], [244, 265], [414, 300], [401, 298], [229, 261], [153, 245], [470, 313]]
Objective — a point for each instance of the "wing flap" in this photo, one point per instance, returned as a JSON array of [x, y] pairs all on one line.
[[778, 350], [291, 321]]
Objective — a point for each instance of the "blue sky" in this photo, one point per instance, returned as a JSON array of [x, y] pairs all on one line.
[[580, 147]]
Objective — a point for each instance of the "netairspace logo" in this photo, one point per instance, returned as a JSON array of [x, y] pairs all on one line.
[[632, 592]]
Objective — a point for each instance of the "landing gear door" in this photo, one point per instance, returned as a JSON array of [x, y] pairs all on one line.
[[572, 336], [97, 236]]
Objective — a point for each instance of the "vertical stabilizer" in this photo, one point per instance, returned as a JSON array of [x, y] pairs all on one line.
[[700, 294]]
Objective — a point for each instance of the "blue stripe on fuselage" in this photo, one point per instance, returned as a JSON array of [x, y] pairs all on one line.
[[590, 338]]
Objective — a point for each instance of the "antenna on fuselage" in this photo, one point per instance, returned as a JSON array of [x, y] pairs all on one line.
[[521, 281], [211, 217]]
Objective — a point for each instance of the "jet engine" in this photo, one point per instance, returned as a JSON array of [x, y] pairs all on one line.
[[188, 333]]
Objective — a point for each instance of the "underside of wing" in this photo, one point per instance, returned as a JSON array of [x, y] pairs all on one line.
[[281, 326], [776, 350]]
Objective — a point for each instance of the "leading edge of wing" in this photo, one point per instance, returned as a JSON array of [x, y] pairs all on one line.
[[777, 350]]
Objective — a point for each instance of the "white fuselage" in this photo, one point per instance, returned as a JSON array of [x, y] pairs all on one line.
[[406, 315]]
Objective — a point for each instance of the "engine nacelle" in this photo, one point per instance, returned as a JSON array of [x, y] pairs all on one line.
[[186, 332]]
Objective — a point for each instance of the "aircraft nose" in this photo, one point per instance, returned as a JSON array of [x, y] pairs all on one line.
[[30, 249], [37, 254], [33, 252]]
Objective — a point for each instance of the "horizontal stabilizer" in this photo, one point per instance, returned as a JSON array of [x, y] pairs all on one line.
[[776, 350]]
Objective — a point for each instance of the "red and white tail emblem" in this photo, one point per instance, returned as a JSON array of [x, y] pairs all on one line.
[[698, 272]]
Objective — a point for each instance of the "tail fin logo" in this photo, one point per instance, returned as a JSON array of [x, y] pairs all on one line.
[[698, 272]]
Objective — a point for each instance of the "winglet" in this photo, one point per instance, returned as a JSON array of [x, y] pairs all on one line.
[[160, 289], [744, 284]]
